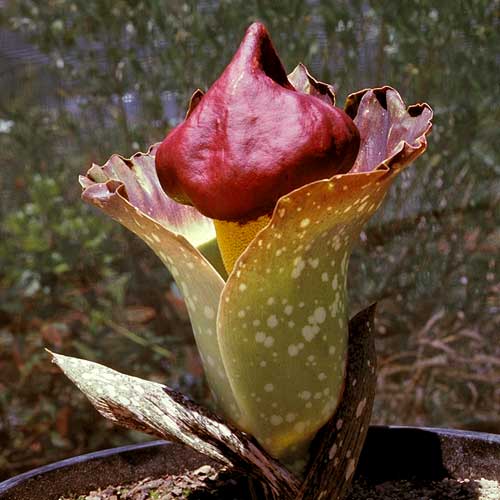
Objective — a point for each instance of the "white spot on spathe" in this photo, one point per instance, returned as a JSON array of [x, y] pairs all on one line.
[[299, 265], [324, 277], [305, 395], [293, 350], [272, 321], [314, 263], [322, 376], [320, 315], [241, 313], [269, 387], [209, 312], [344, 262], [260, 337], [242, 287], [305, 222], [360, 408], [269, 341], [309, 332], [299, 427], [361, 207], [288, 310], [263, 363], [335, 282], [270, 301], [335, 306], [290, 417], [276, 420]]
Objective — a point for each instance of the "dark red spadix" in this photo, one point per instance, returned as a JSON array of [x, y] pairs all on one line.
[[253, 138]]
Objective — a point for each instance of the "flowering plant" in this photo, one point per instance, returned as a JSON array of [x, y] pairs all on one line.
[[284, 181]]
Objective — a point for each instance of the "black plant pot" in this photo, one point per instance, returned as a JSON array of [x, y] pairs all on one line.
[[389, 453]]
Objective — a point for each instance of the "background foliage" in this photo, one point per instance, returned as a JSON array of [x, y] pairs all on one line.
[[93, 78]]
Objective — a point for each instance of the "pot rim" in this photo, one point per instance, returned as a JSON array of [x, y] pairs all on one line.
[[446, 431]]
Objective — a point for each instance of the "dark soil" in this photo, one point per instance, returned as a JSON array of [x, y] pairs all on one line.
[[206, 483], [445, 489]]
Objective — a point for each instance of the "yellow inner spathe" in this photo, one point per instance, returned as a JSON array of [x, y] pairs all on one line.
[[234, 237]]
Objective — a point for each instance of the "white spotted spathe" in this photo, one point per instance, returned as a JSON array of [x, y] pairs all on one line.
[[298, 316], [172, 231]]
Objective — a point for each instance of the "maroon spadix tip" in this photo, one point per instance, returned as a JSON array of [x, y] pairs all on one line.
[[253, 138]]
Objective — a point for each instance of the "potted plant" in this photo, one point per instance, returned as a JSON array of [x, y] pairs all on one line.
[[266, 170], [442, 461]]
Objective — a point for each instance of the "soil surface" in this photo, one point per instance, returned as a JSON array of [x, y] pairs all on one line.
[[206, 483]]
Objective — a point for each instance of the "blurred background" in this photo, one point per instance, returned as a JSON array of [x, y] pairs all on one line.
[[83, 79]]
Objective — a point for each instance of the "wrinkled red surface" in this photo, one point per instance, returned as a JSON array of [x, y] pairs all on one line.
[[253, 138]]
